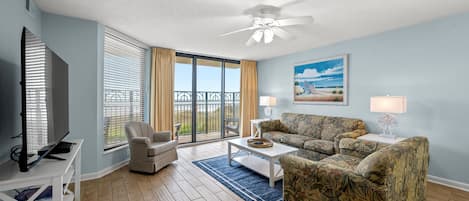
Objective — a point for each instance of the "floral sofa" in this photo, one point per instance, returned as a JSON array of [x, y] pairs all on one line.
[[362, 171], [317, 137]]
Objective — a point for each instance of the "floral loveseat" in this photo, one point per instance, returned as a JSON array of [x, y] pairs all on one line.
[[363, 171], [317, 137]]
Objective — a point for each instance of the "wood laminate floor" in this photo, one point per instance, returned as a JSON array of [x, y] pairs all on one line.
[[182, 181]]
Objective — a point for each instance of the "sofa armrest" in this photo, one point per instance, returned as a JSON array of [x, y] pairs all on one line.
[[305, 179], [353, 134], [162, 136], [272, 125]]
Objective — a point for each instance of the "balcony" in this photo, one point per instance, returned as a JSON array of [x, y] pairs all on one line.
[[126, 105], [208, 107]]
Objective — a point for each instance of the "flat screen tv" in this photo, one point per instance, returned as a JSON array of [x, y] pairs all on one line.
[[44, 98]]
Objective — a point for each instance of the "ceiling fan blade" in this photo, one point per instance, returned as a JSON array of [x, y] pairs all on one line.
[[252, 40], [282, 3], [294, 21], [239, 30], [282, 33]]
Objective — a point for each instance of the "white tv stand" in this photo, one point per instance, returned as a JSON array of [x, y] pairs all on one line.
[[46, 173]]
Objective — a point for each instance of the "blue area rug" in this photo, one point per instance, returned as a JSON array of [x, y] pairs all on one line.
[[246, 183]]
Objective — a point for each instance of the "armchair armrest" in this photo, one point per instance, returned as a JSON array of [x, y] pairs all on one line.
[[272, 125], [141, 140], [162, 136], [305, 179], [353, 134]]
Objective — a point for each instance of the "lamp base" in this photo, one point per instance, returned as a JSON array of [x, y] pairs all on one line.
[[268, 112], [387, 122]]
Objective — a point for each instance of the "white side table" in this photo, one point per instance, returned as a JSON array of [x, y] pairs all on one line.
[[255, 123], [381, 139]]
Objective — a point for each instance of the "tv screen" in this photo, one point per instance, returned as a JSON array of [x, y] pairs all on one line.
[[44, 81], [57, 97]]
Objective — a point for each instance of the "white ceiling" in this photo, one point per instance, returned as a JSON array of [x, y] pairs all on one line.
[[195, 25]]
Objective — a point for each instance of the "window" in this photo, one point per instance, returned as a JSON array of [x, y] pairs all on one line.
[[124, 61]]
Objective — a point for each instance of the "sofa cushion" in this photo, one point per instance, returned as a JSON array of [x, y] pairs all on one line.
[[333, 126], [343, 161], [160, 147], [290, 120], [321, 146], [310, 125], [286, 138]]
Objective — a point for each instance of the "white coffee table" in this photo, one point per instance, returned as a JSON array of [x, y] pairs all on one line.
[[266, 165]]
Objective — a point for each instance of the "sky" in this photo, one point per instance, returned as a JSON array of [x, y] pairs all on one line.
[[208, 78], [329, 73]]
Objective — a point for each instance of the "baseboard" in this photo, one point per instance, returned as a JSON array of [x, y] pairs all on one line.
[[448, 182], [104, 172]]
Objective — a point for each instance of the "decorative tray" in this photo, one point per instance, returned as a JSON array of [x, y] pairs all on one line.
[[260, 143]]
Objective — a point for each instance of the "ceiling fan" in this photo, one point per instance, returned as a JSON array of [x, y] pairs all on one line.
[[267, 24]]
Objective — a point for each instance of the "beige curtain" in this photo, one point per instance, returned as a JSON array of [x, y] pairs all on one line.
[[248, 99], [162, 87]]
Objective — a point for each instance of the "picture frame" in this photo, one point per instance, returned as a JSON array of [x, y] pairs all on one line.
[[321, 81]]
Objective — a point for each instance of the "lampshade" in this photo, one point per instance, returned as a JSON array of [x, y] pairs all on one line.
[[267, 101], [388, 104]]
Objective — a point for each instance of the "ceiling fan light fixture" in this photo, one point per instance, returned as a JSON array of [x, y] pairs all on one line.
[[257, 36], [268, 35]]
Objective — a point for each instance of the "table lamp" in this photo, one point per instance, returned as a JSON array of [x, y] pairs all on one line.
[[389, 105], [268, 102]]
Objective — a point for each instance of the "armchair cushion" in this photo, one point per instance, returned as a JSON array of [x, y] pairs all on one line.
[[321, 146], [158, 148], [343, 161], [289, 139], [359, 148]]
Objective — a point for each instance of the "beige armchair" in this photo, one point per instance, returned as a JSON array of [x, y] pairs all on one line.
[[149, 151]]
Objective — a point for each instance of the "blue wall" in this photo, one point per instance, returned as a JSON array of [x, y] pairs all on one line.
[[81, 44], [428, 63], [13, 17]]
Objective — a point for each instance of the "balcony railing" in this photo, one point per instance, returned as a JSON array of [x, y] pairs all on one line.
[[122, 106], [208, 111]]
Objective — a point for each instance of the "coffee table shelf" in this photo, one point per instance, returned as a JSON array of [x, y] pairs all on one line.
[[260, 160], [260, 166]]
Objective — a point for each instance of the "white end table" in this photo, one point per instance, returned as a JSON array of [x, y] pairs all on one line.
[[255, 124], [378, 138]]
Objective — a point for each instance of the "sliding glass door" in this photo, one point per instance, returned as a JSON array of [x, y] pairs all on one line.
[[202, 109], [183, 107], [232, 89], [208, 99]]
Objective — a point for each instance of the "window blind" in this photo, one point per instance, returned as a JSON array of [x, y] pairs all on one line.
[[36, 90], [124, 62]]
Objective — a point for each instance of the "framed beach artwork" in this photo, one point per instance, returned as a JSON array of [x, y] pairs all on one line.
[[322, 81]]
